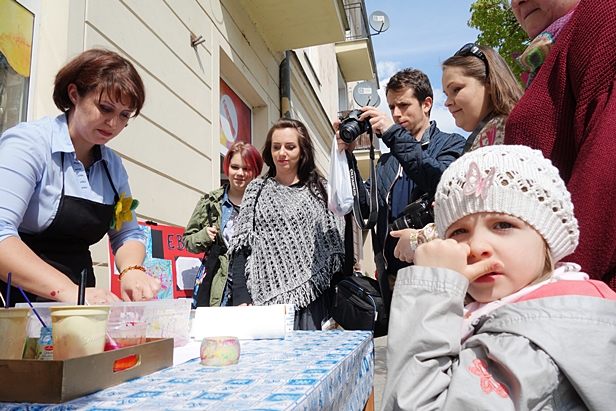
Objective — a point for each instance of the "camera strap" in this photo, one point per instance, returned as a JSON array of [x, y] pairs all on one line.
[[471, 139], [372, 200]]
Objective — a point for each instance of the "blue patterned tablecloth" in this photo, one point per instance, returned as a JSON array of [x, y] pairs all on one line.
[[308, 371]]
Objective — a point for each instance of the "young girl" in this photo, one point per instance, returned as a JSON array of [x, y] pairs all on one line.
[[481, 90], [535, 336]]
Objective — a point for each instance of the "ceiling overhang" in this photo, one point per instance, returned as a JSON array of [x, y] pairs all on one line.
[[293, 24], [355, 60]]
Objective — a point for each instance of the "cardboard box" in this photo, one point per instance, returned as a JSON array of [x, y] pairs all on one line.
[[52, 382]]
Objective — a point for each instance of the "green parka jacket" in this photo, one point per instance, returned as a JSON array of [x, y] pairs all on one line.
[[197, 240]]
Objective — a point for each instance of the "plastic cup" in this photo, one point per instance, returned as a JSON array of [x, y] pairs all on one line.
[[13, 332], [78, 330], [127, 333]]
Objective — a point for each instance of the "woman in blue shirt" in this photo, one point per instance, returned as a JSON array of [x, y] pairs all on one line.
[[62, 189]]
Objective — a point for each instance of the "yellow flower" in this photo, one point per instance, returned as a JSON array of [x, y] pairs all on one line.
[[123, 211]]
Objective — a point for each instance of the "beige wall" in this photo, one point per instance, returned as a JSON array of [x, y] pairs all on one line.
[[171, 151]]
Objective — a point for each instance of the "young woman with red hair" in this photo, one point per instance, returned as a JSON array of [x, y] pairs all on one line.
[[214, 219]]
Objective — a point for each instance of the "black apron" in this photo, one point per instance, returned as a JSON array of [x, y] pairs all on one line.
[[65, 244]]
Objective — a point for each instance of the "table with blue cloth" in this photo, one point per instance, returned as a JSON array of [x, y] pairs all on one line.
[[307, 370]]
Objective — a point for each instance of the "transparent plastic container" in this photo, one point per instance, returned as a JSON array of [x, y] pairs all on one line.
[[34, 325], [127, 333], [165, 318]]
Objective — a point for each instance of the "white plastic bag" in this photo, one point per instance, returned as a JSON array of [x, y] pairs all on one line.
[[339, 193]]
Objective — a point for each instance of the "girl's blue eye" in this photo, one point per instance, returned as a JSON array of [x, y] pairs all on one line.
[[503, 225], [457, 232]]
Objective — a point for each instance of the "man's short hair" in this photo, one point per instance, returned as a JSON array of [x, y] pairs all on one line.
[[413, 79]]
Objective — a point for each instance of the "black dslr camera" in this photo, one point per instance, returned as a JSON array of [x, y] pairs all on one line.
[[416, 215], [350, 127]]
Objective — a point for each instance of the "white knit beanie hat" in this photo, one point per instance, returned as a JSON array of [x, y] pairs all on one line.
[[514, 180]]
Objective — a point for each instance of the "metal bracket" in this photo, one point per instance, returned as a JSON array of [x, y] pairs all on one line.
[[195, 41]]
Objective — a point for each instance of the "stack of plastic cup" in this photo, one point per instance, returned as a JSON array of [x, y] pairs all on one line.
[[13, 332]]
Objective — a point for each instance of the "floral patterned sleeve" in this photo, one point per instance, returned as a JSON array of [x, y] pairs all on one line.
[[493, 133], [423, 235]]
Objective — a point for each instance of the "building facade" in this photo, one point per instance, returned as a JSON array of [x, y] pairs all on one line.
[[214, 71]]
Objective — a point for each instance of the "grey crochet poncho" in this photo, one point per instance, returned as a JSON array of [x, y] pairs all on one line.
[[295, 247]]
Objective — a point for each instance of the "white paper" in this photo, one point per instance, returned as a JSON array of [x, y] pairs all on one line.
[[186, 269], [187, 352], [245, 323]]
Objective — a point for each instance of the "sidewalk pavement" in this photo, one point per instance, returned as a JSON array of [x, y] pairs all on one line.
[[380, 370]]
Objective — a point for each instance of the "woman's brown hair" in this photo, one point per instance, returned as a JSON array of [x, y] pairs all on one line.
[[103, 71], [505, 90]]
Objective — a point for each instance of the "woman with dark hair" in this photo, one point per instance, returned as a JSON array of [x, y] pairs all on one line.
[[287, 244], [214, 221], [63, 189]]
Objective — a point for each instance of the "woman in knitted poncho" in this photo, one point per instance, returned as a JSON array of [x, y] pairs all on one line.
[[287, 244]]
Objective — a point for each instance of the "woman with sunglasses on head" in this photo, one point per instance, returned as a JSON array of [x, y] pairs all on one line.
[[214, 221], [481, 91], [568, 112], [62, 189]]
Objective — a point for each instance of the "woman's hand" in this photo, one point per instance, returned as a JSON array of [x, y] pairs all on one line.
[[454, 256], [99, 296], [245, 305], [212, 231], [138, 286], [404, 250]]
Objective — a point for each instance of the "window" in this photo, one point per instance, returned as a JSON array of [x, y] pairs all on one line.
[[16, 33], [235, 122]]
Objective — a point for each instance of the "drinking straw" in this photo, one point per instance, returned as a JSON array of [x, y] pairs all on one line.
[[30, 304], [81, 297], [8, 291]]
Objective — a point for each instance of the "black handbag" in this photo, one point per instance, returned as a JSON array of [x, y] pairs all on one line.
[[209, 266], [358, 305]]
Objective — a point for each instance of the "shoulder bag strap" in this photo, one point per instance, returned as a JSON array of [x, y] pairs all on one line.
[[471, 139], [372, 202]]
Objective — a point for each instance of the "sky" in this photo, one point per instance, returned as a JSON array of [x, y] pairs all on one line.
[[422, 34]]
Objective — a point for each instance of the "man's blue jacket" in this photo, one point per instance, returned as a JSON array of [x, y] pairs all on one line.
[[423, 162]]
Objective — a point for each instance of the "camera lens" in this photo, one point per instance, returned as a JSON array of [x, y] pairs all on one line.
[[349, 131]]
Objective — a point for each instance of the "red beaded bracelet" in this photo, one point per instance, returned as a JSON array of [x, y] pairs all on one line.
[[132, 267]]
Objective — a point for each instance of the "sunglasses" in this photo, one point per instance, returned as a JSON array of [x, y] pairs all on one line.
[[470, 49]]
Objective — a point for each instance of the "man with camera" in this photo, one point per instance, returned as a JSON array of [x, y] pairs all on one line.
[[419, 153]]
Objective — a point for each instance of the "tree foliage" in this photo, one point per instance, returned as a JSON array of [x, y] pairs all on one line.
[[499, 29]]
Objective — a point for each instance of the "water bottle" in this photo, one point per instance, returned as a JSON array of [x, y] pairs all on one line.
[[44, 346]]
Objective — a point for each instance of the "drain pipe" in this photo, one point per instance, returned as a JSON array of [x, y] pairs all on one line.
[[285, 86]]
